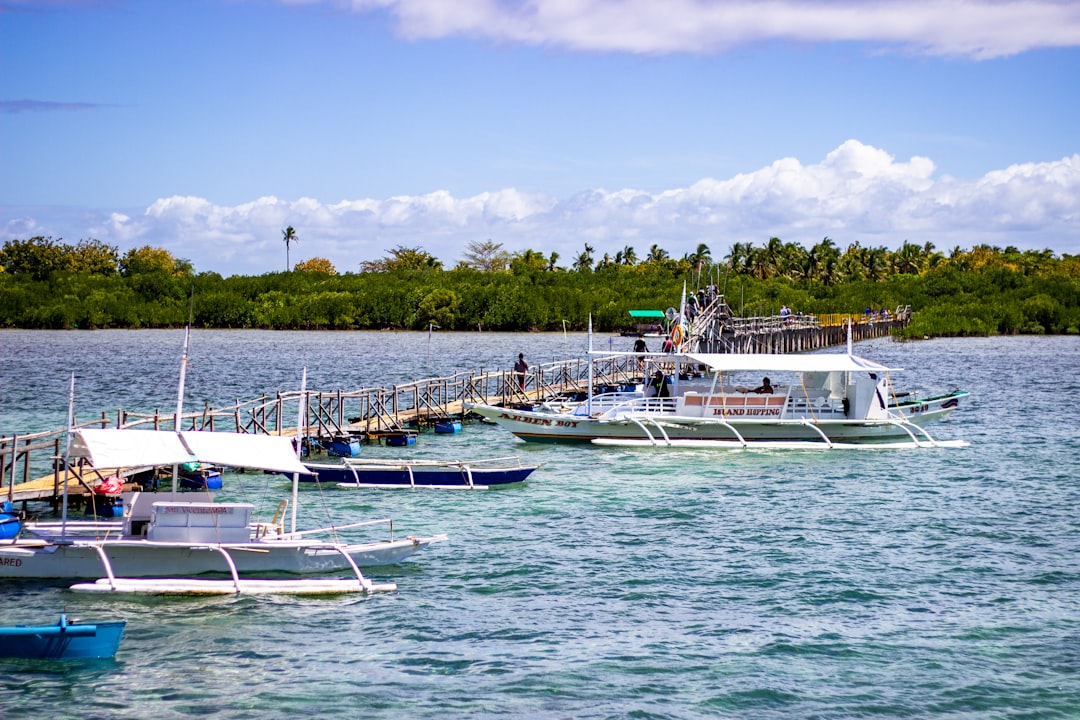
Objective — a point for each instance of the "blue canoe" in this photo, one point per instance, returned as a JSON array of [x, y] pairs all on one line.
[[472, 474], [61, 641]]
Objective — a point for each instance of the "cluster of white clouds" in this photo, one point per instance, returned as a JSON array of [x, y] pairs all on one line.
[[974, 28], [857, 193]]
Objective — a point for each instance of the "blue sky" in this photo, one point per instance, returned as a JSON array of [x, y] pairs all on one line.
[[207, 126]]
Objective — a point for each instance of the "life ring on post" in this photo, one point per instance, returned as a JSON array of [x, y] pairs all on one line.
[[677, 335]]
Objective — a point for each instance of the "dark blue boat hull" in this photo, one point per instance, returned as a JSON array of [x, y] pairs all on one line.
[[420, 476]]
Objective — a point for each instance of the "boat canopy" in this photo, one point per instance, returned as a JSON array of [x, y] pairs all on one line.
[[821, 362], [646, 314], [246, 450], [121, 447], [116, 448]]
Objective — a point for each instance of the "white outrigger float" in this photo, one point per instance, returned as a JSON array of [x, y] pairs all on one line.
[[831, 400]]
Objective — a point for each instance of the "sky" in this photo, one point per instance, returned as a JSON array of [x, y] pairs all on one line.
[[206, 127]]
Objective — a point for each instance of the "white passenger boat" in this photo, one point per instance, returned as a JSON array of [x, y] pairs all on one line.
[[814, 400], [166, 534], [165, 539]]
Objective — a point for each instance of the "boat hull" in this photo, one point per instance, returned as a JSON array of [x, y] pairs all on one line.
[[137, 558], [572, 428], [404, 476], [62, 641]]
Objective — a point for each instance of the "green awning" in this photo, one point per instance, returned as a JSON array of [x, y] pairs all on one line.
[[646, 314]]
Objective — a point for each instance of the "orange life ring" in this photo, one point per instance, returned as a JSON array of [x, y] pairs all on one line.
[[677, 335]]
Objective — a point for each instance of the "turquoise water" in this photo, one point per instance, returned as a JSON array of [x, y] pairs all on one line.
[[616, 583]]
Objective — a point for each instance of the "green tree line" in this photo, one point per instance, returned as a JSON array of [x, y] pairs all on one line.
[[984, 290]]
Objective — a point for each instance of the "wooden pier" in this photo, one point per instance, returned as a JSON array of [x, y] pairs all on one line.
[[718, 330], [32, 467]]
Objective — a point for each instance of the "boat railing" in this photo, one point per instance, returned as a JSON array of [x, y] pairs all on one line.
[[644, 406], [334, 529], [606, 401]]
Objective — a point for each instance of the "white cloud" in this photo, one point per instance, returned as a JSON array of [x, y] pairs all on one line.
[[979, 29], [855, 193]]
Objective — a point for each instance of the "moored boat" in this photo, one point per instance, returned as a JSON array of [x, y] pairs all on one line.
[[63, 640], [703, 399], [167, 534], [470, 474]]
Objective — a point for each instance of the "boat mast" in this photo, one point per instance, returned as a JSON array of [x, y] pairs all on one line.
[[589, 394], [301, 431], [180, 399], [67, 455]]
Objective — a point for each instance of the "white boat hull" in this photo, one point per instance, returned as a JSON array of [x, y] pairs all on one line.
[[569, 428], [135, 558]]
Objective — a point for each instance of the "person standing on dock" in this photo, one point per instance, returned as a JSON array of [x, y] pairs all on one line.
[[640, 347], [520, 368]]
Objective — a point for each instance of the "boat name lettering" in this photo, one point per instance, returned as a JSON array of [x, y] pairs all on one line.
[[747, 411], [919, 409], [522, 418], [198, 510], [12, 562]]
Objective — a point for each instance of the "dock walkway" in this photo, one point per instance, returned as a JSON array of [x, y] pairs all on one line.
[[31, 465]]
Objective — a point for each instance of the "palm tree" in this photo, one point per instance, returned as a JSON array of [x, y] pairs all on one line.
[[583, 262], [699, 258], [289, 236], [876, 263], [738, 258], [908, 259], [629, 257], [822, 261], [774, 258]]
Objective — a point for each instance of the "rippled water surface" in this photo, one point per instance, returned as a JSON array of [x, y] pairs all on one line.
[[615, 583]]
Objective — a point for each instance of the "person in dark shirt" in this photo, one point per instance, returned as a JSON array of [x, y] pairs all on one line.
[[660, 385], [520, 368]]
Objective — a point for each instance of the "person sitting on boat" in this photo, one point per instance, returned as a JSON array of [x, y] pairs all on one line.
[[765, 388], [667, 346], [660, 385]]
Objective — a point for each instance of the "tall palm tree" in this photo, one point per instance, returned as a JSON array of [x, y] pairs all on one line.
[[584, 261], [738, 258], [699, 258], [289, 236], [822, 261]]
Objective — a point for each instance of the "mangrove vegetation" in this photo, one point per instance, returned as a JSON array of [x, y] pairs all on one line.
[[984, 290]]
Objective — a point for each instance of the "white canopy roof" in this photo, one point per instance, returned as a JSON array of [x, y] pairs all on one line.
[[112, 448], [261, 452], [818, 362]]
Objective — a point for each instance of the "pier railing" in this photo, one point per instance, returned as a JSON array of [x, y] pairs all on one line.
[[384, 410], [36, 458]]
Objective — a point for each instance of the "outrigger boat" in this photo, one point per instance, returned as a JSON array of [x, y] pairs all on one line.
[[166, 534], [64, 640], [165, 539], [829, 400], [468, 475]]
